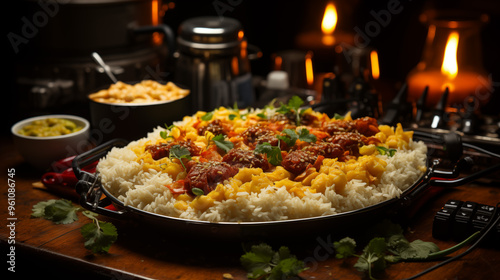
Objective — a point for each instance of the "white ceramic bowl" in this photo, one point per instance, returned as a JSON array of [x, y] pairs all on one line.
[[41, 152]]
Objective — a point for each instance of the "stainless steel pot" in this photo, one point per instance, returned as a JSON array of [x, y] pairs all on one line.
[[79, 27], [213, 61], [54, 68]]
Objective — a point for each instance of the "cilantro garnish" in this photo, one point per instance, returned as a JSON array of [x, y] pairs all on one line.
[[179, 152], [345, 247], [372, 258], [338, 116], [208, 116], [98, 235], [164, 134], [385, 151], [390, 246], [262, 261], [59, 211], [237, 113], [273, 153], [197, 191], [291, 136], [292, 107], [225, 145], [305, 136]]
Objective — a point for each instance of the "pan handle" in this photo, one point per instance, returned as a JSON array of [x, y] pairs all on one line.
[[89, 185], [418, 188], [87, 158], [466, 179], [429, 179], [90, 192]]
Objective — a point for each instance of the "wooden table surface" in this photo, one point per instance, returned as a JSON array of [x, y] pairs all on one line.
[[144, 252]]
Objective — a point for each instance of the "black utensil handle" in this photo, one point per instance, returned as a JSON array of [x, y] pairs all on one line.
[[89, 185], [163, 28], [466, 179], [90, 192], [418, 188], [86, 158]]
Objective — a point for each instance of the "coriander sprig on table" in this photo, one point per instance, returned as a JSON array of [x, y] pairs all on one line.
[[390, 246], [262, 262], [98, 235], [387, 245]]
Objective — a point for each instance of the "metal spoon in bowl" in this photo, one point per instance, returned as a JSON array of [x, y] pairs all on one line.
[[106, 67]]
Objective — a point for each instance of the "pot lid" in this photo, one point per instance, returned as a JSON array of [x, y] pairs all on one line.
[[210, 32]]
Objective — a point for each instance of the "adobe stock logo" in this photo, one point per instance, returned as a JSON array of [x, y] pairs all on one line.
[[223, 6], [373, 28], [30, 28]]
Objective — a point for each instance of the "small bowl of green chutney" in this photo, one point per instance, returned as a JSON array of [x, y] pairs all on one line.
[[44, 140]]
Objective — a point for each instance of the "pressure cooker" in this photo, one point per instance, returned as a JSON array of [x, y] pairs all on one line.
[[213, 61]]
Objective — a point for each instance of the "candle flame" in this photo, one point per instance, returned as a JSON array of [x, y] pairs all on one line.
[[278, 60], [309, 69], [450, 65], [375, 65], [329, 19], [155, 9]]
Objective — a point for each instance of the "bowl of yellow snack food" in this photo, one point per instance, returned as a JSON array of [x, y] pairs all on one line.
[[129, 110], [43, 140]]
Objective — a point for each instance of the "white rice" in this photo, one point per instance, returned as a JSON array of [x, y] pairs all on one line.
[[124, 177]]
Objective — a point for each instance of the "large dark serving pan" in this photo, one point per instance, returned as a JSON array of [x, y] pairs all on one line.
[[91, 193]]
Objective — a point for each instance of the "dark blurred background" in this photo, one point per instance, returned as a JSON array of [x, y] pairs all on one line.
[[273, 26]]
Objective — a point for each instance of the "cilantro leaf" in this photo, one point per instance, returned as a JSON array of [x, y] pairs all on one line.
[[344, 248], [179, 152], [385, 151], [208, 116], [237, 113], [39, 208], [262, 115], [257, 261], [417, 249], [99, 236], [372, 258], [338, 116], [390, 246], [377, 246], [283, 253], [286, 268], [292, 107], [295, 102], [262, 261], [291, 136], [224, 145], [59, 211], [273, 153], [163, 133], [305, 136]]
